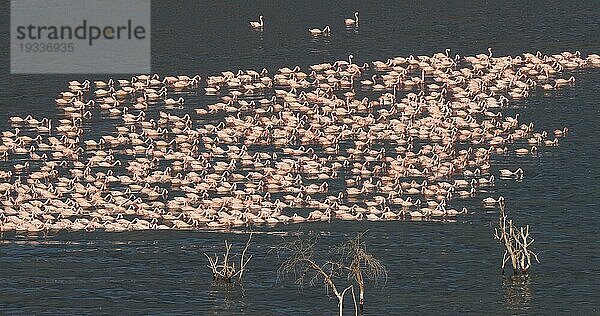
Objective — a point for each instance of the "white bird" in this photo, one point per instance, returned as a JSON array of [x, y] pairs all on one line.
[[257, 25], [352, 21], [508, 173], [324, 31], [491, 201]]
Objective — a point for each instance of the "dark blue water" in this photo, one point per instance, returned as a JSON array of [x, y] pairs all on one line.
[[434, 268]]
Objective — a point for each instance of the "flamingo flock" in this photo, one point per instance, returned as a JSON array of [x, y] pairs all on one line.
[[402, 139]]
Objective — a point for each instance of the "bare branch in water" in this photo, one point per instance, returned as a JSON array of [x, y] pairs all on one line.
[[353, 261], [516, 241], [226, 271]]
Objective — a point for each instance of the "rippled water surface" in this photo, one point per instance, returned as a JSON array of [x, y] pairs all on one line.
[[434, 267]]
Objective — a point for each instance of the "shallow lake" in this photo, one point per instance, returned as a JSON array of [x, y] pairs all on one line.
[[434, 267]]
